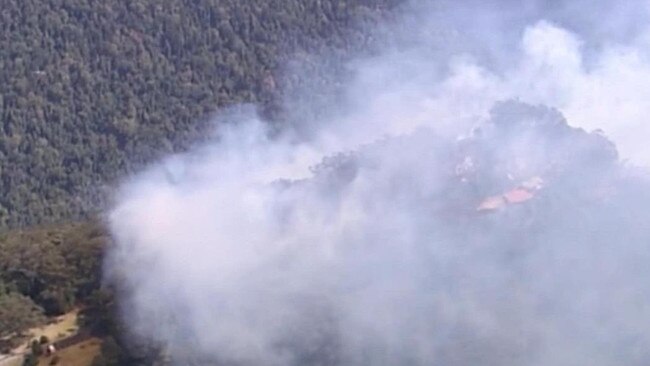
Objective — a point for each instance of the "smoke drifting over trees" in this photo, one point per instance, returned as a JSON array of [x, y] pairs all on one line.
[[444, 212]]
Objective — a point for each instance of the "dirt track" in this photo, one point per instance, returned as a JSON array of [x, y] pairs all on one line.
[[11, 360], [61, 329]]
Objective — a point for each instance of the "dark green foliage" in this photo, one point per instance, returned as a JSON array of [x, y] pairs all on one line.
[[99, 314], [37, 348], [17, 313], [111, 354], [90, 90], [30, 360], [54, 266]]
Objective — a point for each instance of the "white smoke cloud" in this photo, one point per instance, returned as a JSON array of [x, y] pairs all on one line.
[[362, 245]]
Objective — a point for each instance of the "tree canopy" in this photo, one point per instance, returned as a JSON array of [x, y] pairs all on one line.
[[17, 312], [90, 90], [54, 266]]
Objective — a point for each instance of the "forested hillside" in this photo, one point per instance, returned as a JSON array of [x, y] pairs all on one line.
[[47, 271], [90, 90]]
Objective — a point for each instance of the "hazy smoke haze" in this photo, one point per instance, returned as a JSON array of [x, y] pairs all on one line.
[[355, 239]]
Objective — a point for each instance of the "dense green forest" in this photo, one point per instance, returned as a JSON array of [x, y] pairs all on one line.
[[91, 90], [47, 271]]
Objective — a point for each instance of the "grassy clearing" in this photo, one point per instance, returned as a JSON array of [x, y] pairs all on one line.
[[64, 326], [59, 328], [11, 360], [81, 354]]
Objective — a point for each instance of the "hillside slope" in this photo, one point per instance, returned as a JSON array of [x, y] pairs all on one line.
[[89, 90]]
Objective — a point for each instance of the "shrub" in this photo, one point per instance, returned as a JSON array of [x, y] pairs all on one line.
[[37, 348]]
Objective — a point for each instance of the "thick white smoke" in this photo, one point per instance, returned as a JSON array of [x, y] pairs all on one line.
[[367, 243]]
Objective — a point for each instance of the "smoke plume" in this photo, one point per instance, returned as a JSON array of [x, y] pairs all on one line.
[[477, 196]]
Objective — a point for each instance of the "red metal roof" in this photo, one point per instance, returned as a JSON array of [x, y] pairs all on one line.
[[518, 195]]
